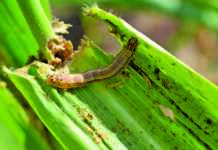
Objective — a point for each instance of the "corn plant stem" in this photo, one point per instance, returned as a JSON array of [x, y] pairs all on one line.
[[8, 36], [38, 23], [21, 25], [46, 7]]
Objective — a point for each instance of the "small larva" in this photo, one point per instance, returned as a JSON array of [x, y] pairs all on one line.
[[66, 81]]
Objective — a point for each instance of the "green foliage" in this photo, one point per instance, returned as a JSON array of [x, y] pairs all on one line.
[[23, 21], [159, 103], [17, 45], [16, 132]]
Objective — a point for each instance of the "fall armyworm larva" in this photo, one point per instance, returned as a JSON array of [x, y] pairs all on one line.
[[67, 81]]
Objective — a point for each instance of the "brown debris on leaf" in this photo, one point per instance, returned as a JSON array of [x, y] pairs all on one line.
[[167, 112], [99, 137], [62, 50]]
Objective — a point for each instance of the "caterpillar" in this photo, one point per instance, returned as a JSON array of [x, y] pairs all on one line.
[[123, 58]]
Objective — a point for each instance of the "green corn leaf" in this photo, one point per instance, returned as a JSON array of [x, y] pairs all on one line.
[[18, 27], [16, 132], [17, 44], [160, 103]]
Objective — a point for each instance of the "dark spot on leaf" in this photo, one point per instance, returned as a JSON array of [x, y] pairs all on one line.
[[149, 66], [150, 55], [122, 37], [146, 46], [209, 121], [31, 59], [166, 84], [125, 73], [157, 71], [126, 131], [205, 132], [114, 29]]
